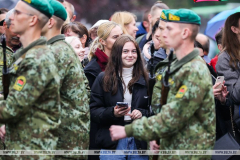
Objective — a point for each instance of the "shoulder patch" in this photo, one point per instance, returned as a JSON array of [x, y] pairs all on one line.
[[19, 84], [181, 91]]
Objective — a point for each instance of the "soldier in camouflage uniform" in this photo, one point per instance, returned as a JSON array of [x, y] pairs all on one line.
[[9, 57], [31, 111], [12, 42], [75, 116], [187, 121]]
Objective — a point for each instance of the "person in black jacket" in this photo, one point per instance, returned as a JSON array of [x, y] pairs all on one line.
[[124, 80], [100, 50], [221, 102]]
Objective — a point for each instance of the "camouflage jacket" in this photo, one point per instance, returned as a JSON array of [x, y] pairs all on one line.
[[75, 116], [187, 121], [31, 111], [9, 57]]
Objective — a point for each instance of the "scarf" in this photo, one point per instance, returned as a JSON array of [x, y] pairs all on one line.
[[102, 59]]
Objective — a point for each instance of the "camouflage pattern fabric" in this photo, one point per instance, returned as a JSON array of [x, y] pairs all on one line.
[[9, 57], [75, 115], [187, 121], [31, 111]]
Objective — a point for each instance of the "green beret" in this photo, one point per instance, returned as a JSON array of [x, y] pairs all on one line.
[[42, 6], [180, 16], [59, 10]]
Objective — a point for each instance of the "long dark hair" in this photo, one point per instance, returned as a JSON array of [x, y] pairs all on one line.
[[230, 40], [114, 67]]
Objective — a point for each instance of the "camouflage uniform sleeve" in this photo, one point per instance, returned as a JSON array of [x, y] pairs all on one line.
[[176, 112], [156, 96], [33, 76], [9, 56]]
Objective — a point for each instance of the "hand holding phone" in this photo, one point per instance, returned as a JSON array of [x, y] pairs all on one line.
[[219, 79], [122, 105]]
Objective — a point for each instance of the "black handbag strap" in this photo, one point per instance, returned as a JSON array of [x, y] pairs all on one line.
[[231, 115]]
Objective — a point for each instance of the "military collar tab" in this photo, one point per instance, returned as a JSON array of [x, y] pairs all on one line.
[[178, 64], [40, 41]]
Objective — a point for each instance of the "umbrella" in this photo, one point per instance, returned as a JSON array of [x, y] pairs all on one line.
[[217, 22]]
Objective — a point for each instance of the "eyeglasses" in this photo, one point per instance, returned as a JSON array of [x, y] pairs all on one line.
[[17, 12]]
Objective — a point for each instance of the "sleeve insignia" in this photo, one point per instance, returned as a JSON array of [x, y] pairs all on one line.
[[181, 91], [19, 84]]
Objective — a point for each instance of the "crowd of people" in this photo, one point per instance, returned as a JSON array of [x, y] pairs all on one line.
[[71, 88]]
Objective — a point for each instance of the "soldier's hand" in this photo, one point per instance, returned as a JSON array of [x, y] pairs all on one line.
[[119, 112], [2, 133], [117, 132], [154, 147], [135, 114]]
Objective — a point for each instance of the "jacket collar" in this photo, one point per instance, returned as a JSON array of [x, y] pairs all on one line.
[[21, 51], [178, 64], [164, 62], [93, 67], [140, 81], [54, 39]]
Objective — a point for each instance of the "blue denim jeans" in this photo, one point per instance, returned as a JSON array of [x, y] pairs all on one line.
[[125, 144]]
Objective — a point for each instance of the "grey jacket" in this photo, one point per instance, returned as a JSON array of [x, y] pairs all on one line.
[[232, 79]]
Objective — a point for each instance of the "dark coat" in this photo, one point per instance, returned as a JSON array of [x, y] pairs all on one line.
[[92, 70], [232, 81], [102, 109], [231, 76], [222, 111]]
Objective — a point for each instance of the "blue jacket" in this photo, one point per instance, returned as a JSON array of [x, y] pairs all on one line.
[[141, 30]]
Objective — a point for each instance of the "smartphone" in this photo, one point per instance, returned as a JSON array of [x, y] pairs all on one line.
[[219, 79], [122, 105]]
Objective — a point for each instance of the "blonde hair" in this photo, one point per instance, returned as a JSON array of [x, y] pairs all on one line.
[[67, 21], [123, 18], [103, 33]]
